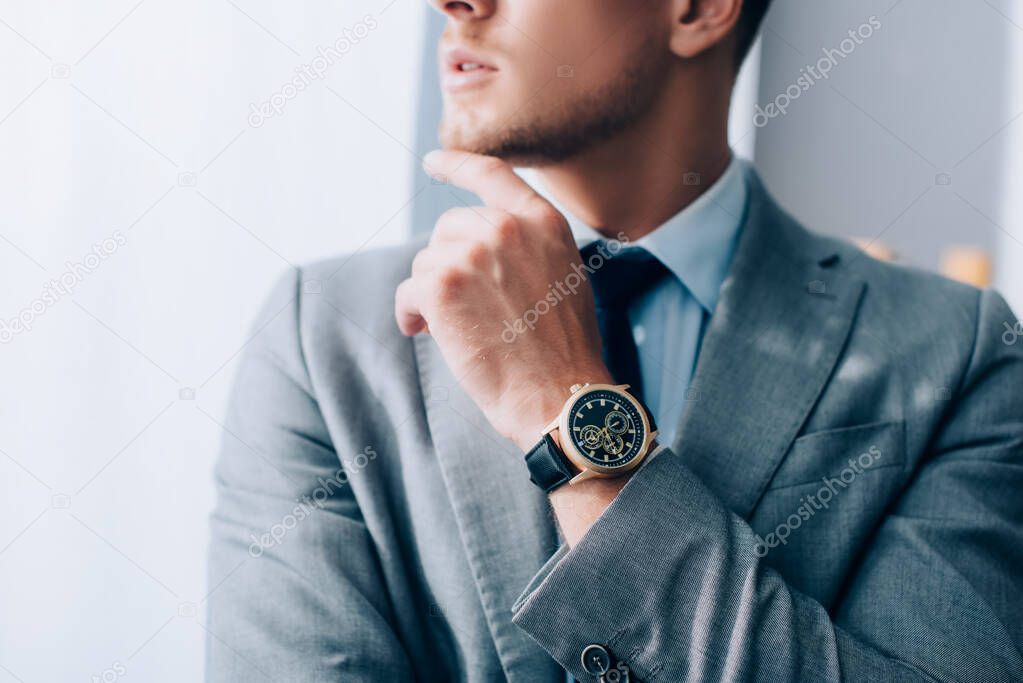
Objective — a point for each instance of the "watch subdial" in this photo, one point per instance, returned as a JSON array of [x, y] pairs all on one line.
[[613, 444], [591, 436], [616, 422]]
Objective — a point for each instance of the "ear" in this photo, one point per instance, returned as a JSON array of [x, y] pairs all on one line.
[[701, 24]]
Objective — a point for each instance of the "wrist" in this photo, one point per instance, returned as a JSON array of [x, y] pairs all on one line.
[[545, 403], [577, 507]]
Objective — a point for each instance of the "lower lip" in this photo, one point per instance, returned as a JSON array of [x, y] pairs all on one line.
[[455, 80]]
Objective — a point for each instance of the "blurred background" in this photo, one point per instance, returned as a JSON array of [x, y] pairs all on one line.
[[163, 162]]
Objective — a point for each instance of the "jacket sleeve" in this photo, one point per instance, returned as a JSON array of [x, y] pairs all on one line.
[[293, 574], [671, 581]]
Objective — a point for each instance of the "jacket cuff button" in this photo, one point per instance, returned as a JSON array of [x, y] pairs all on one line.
[[596, 659]]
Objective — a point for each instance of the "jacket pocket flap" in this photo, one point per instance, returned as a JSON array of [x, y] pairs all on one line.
[[842, 452]]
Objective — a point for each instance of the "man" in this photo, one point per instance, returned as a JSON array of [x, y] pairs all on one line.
[[753, 453]]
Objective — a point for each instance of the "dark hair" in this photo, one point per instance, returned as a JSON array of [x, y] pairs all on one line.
[[752, 15]]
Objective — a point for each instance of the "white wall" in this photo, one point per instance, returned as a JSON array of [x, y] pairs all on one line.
[[915, 136], [1009, 263], [742, 133], [130, 121]]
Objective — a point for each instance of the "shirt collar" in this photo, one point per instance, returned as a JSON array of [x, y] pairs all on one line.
[[697, 243]]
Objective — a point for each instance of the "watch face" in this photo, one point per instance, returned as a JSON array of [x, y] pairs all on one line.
[[606, 429]]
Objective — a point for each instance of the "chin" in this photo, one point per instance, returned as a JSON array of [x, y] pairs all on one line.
[[467, 131], [487, 146], [499, 140]]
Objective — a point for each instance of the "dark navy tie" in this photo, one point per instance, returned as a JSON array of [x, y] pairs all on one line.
[[618, 281]]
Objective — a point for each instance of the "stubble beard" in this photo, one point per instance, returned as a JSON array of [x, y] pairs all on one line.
[[539, 134]]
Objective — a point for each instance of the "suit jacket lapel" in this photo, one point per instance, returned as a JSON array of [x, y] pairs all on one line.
[[503, 519], [785, 311]]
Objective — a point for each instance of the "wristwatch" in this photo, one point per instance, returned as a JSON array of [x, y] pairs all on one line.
[[602, 431]]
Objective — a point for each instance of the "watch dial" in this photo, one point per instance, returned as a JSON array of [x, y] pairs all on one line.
[[606, 428]]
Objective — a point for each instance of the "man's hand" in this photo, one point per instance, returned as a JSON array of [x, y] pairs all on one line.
[[497, 290]]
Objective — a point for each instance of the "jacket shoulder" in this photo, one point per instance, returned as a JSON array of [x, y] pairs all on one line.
[[923, 320], [905, 300], [340, 310], [370, 274], [919, 317], [901, 287]]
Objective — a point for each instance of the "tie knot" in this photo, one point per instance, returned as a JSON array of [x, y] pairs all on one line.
[[622, 278]]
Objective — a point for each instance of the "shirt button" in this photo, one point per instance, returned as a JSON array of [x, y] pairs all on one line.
[[596, 660]]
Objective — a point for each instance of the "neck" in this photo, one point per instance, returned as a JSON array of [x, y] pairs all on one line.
[[635, 181]]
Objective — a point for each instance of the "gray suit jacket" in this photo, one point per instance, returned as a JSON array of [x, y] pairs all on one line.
[[844, 501]]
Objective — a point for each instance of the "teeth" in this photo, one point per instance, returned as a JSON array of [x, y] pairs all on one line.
[[470, 66]]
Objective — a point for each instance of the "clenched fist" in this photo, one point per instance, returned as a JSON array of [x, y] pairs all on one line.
[[499, 288]]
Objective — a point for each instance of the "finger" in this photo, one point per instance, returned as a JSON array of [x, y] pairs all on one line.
[[460, 256], [470, 222], [406, 309], [492, 179], [427, 260]]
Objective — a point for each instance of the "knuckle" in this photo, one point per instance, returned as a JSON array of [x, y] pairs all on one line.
[[477, 255], [448, 218], [419, 261], [506, 228], [491, 165], [547, 214], [449, 282]]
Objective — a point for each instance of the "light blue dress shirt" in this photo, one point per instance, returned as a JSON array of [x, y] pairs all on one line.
[[668, 322]]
